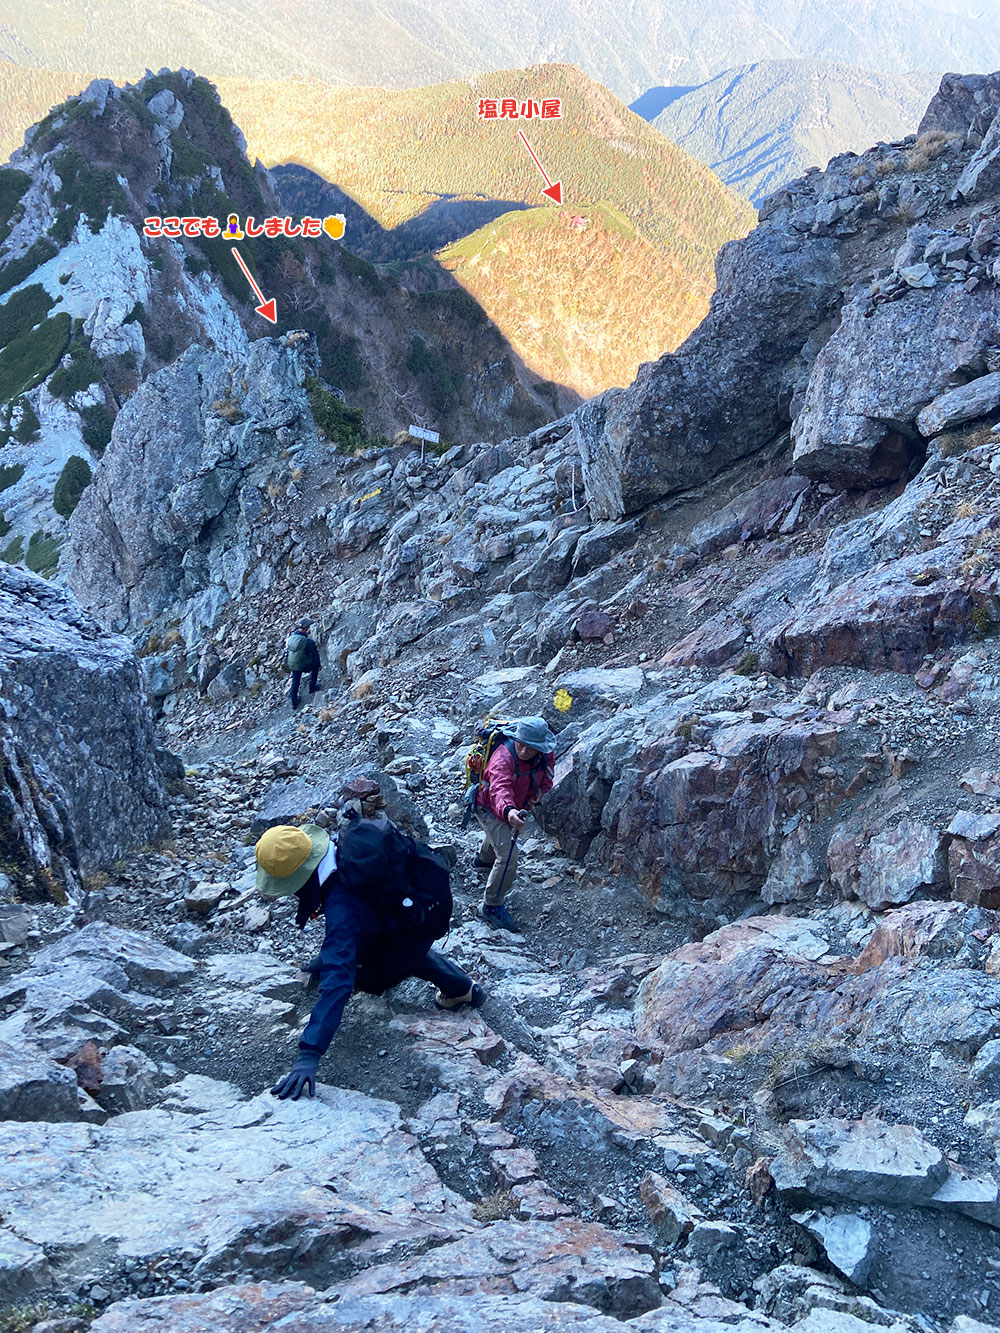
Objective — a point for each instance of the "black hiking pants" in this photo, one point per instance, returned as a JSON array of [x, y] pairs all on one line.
[[449, 978], [296, 678]]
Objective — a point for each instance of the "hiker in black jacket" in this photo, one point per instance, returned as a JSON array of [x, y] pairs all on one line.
[[362, 949], [301, 654]]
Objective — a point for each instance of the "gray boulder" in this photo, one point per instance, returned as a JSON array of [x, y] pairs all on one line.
[[847, 1240], [721, 396], [964, 104], [966, 403], [864, 1161], [70, 692], [882, 366], [34, 1087]]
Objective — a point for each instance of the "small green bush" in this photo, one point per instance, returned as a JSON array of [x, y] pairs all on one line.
[[17, 270], [453, 303], [73, 480], [62, 229], [187, 160], [42, 555], [97, 424], [12, 187], [10, 476], [195, 263], [87, 190], [22, 311], [27, 360], [135, 315], [84, 368], [343, 426], [29, 425], [4, 525], [64, 278], [341, 359], [748, 665], [14, 553], [360, 269]]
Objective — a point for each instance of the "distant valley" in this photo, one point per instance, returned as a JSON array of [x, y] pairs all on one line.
[[761, 125]]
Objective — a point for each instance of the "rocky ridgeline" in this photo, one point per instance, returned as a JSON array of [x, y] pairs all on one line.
[[91, 307], [742, 1068]]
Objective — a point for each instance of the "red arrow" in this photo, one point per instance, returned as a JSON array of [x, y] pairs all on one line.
[[266, 308], [554, 191]]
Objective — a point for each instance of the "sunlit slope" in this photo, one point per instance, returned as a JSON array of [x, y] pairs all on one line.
[[582, 296], [399, 152]]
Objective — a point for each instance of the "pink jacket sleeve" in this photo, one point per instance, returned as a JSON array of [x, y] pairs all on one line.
[[500, 773]]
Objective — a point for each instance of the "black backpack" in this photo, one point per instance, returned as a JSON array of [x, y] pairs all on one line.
[[407, 881]]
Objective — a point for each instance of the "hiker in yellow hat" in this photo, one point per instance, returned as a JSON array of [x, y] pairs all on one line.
[[385, 898]]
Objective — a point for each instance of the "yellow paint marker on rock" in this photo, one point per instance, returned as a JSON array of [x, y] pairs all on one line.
[[563, 700]]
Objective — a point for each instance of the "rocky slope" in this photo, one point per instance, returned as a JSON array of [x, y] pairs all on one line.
[[91, 306], [742, 1066]]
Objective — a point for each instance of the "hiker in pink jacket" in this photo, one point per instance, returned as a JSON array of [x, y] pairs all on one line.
[[518, 772]]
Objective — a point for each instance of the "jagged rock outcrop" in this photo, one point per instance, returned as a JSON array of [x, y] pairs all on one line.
[[83, 782], [800, 333], [170, 514], [879, 370]]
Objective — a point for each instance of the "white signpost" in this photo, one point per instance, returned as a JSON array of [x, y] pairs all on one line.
[[424, 436]]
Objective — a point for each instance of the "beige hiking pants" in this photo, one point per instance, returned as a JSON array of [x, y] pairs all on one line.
[[499, 850]]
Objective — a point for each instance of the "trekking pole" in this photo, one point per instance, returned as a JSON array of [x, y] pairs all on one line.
[[510, 851]]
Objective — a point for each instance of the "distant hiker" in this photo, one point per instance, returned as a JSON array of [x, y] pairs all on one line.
[[518, 770], [385, 898], [301, 654], [209, 666]]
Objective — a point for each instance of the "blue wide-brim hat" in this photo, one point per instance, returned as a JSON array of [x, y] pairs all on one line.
[[534, 731]]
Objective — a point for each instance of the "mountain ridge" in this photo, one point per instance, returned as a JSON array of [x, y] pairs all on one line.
[[758, 126], [629, 47]]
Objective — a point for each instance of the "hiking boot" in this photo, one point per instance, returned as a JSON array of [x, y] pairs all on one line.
[[498, 918], [474, 997]]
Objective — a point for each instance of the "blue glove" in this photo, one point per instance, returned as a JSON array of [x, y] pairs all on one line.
[[301, 1078]]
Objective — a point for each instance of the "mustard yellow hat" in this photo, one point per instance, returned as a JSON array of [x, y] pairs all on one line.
[[287, 856]]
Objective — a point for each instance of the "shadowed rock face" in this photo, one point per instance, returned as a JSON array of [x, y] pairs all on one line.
[[82, 781], [171, 477], [722, 395]]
